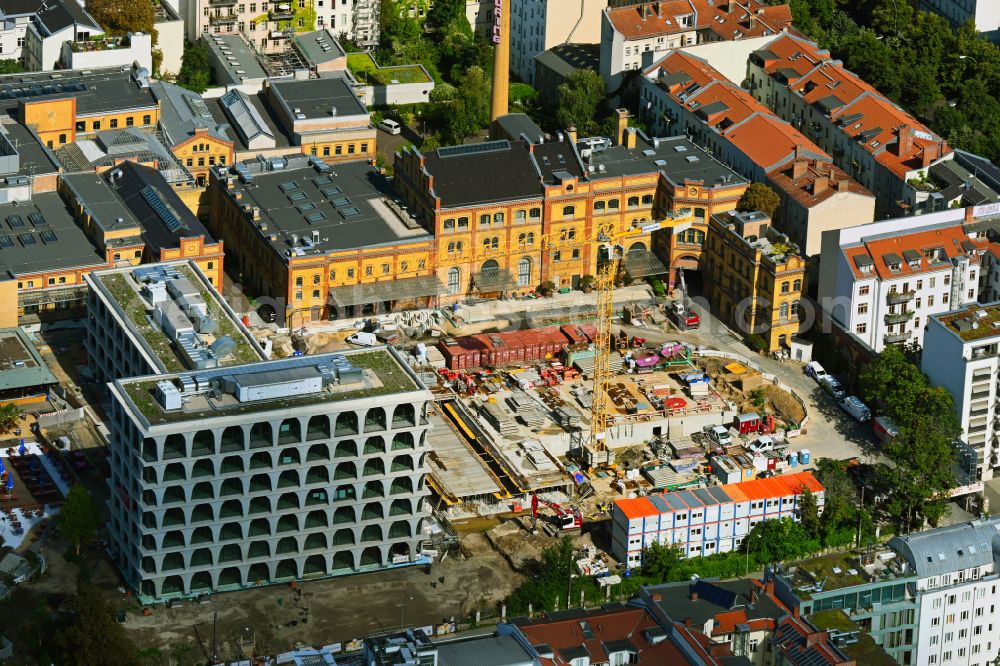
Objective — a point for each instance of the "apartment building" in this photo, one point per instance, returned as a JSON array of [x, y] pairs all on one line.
[[957, 577], [984, 13], [877, 143], [636, 34], [538, 25], [230, 471], [882, 282], [961, 350], [705, 521], [754, 277], [683, 94], [270, 26]]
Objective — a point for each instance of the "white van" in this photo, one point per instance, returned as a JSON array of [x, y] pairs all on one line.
[[390, 126], [363, 339], [815, 370], [719, 435], [833, 387], [853, 406]]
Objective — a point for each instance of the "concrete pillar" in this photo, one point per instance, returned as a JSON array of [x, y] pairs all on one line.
[[499, 104]]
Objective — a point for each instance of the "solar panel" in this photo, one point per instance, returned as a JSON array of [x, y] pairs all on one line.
[[37, 219], [48, 236], [6, 241], [15, 221], [297, 196], [715, 595], [316, 216], [27, 240], [288, 186], [474, 148], [350, 212], [341, 202], [161, 209]]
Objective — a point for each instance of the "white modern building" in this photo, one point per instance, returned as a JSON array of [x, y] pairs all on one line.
[[984, 13], [230, 471], [705, 521], [962, 355], [538, 25], [882, 282], [956, 568]]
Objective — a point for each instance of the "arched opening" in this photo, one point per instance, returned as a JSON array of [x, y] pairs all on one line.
[[148, 589], [288, 524], [318, 428], [399, 549], [148, 565], [344, 514], [204, 467], [173, 516], [260, 483], [172, 585], [371, 533], [342, 560], [232, 440], [401, 485], [402, 440], [404, 415], [201, 581], [202, 513], [149, 449], [288, 501], [173, 495], [346, 449], [290, 432], [230, 531], [315, 541], [524, 272], [258, 574], [229, 576], [402, 464], [289, 457], [373, 489], [374, 467], [172, 562], [201, 557], [260, 460], [347, 424], [260, 505], [317, 475], [315, 565], [343, 538], [174, 446], [259, 549], [318, 452], [203, 491], [203, 443], [286, 569], [232, 486], [288, 479], [374, 445], [261, 435], [175, 472], [231, 552], [783, 311], [372, 511], [229, 465], [316, 519], [400, 507], [375, 419], [260, 527], [175, 538], [287, 545], [371, 556], [346, 470], [399, 530], [200, 535], [454, 280], [231, 509]]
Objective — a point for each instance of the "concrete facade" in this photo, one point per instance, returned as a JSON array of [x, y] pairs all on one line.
[[538, 25]]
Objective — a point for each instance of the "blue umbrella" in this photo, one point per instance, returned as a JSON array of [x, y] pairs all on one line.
[[22, 450], [10, 482], [2, 468]]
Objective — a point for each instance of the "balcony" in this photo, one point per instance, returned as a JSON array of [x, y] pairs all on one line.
[[217, 19], [898, 297], [899, 317], [896, 338], [282, 12], [222, 3]]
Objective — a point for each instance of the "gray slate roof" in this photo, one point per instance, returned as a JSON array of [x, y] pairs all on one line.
[[182, 112], [311, 44], [952, 548]]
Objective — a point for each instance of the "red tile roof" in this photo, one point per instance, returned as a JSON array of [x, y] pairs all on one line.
[[951, 241], [729, 19], [799, 180], [896, 139]]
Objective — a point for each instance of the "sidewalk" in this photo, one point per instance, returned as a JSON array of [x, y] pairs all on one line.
[[505, 309]]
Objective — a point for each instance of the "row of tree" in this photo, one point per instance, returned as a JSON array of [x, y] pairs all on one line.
[[947, 77]]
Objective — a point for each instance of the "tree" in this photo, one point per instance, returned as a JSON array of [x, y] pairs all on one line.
[[759, 197], [9, 416], [195, 73], [120, 17], [470, 110], [445, 12], [92, 637], [809, 514], [10, 66], [78, 519], [660, 562], [578, 99]]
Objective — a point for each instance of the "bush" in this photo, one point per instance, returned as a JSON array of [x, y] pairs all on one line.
[[757, 342], [659, 290]]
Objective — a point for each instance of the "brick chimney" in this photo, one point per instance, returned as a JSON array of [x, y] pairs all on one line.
[[820, 185], [656, 596], [904, 143], [815, 638], [571, 133], [970, 216], [930, 153], [621, 122], [843, 185], [694, 594], [799, 169], [630, 137]]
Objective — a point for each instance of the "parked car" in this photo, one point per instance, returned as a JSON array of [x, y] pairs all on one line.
[[390, 126], [833, 387], [719, 435], [853, 406], [762, 444], [815, 370], [363, 339]]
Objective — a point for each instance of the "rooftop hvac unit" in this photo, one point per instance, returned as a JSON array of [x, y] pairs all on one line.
[[167, 395], [224, 346]]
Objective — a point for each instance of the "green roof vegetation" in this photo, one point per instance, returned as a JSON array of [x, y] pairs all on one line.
[[135, 309], [368, 71], [985, 328], [865, 650], [823, 568]]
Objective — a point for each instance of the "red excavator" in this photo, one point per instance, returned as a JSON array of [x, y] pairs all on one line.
[[568, 519]]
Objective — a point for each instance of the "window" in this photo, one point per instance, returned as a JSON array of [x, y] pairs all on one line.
[[862, 308], [350, 149], [633, 202], [315, 293], [96, 125], [364, 147], [944, 298], [338, 150], [797, 285], [519, 216], [497, 218], [326, 151], [129, 121], [950, 619], [463, 223], [369, 271], [147, 119], [524, 272], [449, 225], [613, 204], [598, 206], [863, 290], [568, 211], [861, 328], [535, 213], [931, 283], [930, 301], [647, 200], [350, 273], [386, 268], [114, 123], [947, 280], [783, 311], [454, 278], [484, 221], [784, 287]]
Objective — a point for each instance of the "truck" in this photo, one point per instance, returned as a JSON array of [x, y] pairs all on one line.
[[684, 316], [853, 406], [885, 429], [816, 371], [363, 339]]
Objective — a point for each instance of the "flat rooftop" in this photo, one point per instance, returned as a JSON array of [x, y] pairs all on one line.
[[347, 206], [318, 46], [456, 468], [232, 61], [380, 374], [318, 98], [95, 90], [21, 366], [52, 242], [128, 290], [839, 570], [678, 158], [34, 160], [975, 322]]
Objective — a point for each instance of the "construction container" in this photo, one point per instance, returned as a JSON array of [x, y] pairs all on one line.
[[512, 347], [748, 423], [793, 459], [804, 456]]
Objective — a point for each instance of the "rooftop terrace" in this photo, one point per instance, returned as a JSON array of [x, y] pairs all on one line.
[[974, 322], [840, 570]]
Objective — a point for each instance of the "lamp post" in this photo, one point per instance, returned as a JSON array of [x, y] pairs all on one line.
[[968, 57]]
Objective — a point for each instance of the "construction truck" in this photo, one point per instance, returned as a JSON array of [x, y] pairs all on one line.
[[566, 518]]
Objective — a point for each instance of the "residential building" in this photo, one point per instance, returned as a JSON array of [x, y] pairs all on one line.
[[269, 27], [553, 66], [957, 576], [705, 521], [636, 34], [479, 14], [17, 19], [985, 14], [221, 468], [170, 36], [754, 277], [877, 143], [51, 27], [190, 131], [882, 282], [489, 228], [961, 355], [684, 95], [538, 25], [135, 48], [515, 126]]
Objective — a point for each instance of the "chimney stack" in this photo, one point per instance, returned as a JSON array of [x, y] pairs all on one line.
[[621, 123], [571, 134], [929, 153], [820, 185], [500, 101], [694, 594], [970, 216], [815, 638], [799, 169], [904, 144], [630, 137], [843, 185]]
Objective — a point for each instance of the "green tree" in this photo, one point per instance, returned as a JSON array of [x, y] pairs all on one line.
[[78, 519], [120, 17], [92, 637], [778, 541], [9, 416], [470, 110], [195, 72], [839, 495], [579, 98], [445, 12], [809, 514], [759, 197], [10, 66], [661, 562]]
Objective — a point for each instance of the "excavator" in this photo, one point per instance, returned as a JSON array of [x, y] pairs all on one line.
[[567, 518]]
